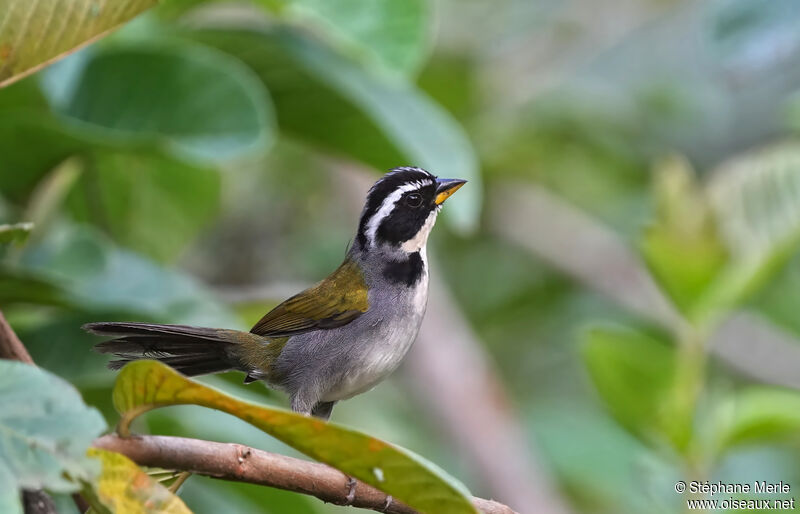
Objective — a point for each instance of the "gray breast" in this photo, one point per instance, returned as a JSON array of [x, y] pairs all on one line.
[[337, 364]]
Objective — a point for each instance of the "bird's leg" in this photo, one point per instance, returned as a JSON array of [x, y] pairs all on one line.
[[323, 410]]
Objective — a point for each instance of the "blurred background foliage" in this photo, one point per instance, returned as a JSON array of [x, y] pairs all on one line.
[[626, 251]]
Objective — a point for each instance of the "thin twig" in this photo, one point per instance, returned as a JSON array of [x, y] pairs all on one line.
[[11, 347], [240, 463], [182, 477]]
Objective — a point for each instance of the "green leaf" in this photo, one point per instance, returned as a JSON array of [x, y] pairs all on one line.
[[682, 247], [22, 286], [206, 104], [756, 199], [328, 100], [122, 486], [33, 34], [758, 415], [633, 373], [147, 201], [101, 277], [31, 144], [134, 190], [17, 232], [387, 34], [45, 429], [384, 36], [146, 385]]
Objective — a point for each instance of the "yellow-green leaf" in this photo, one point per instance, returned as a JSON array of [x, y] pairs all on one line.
[[758, 415], [146, 385], [682, 246], [33, 34], [124, 487], [633, 373]]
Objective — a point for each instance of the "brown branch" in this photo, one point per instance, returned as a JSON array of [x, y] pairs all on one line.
[[240, 463], [11, 347]]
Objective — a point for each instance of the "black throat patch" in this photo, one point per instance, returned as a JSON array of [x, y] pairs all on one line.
[[407, 271]]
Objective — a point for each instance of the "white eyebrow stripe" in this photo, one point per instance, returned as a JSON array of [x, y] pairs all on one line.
[[388, 205]]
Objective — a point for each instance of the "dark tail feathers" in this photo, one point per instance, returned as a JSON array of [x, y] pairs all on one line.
[[190, 350]]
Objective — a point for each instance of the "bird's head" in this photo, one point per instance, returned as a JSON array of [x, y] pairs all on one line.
[[401, 209]]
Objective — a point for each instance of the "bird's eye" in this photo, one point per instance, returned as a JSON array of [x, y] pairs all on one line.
[[414, 200]]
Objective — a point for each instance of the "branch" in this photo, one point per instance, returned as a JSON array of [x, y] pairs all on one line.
[[11, 347], [229, 461]]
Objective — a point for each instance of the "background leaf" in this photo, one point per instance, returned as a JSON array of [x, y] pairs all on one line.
[[134, 189], [123, 487], [45, 429], [102, 277], [145, 385], [682, 247], [202, 101], [633, 373], [21, 286], [326, 99], [137, 197], [758, 415], [390, 36], [34, 33], [756, 197]]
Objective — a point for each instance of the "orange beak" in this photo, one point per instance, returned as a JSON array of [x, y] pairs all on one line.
[[446, 187]]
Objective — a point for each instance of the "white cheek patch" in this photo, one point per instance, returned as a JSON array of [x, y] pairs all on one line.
[[418, 242], [388, 205]]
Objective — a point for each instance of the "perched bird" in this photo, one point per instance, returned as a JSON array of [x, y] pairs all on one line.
[[336, 339]]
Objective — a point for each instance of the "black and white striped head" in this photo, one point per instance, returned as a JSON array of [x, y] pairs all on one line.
[[401, 209]]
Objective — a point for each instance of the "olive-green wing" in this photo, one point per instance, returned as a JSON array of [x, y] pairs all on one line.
[[336, 301]]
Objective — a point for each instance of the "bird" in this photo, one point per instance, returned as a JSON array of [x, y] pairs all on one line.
[[334, 340]]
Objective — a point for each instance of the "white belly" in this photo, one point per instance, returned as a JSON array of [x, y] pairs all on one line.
[[373, 365], [384, 347]]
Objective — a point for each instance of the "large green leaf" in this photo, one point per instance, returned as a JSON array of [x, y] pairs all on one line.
[[77, 268], [45, 429], [33, 34], [123, 487], [33, 142], [326, 99], [146, 200], [385, 36], [101, 277], [205, 103], [756, 199], [134, 189], [386, 33], [757, 415], [633, 374], [682, 246], [145, 385], [22, 286]]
